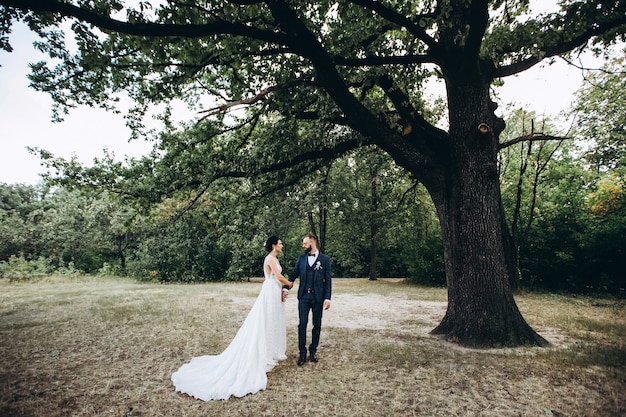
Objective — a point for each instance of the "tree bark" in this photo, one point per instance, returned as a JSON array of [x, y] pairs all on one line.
[[373, 221], [321, 236], [511, 253], [481, 309], [311, 219]]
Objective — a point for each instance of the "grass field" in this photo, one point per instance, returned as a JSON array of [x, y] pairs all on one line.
[[107, 347]]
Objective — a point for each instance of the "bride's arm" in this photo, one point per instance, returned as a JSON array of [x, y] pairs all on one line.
[[273, 264]]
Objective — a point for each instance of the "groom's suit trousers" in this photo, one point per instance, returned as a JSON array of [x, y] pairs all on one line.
[[306, 304]]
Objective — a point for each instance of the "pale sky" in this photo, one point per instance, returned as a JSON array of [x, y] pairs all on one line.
[[25, 114]]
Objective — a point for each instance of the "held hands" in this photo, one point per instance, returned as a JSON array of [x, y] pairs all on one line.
[[285, 292]]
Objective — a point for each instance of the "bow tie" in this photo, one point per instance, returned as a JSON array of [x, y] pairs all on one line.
[[315, 254]]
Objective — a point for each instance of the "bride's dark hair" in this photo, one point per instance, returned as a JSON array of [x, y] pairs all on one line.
[[272, 240]]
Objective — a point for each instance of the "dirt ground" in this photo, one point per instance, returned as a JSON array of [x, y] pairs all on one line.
[[372, 311]]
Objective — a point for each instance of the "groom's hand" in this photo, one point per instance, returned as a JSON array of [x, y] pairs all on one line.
[[326, 304]]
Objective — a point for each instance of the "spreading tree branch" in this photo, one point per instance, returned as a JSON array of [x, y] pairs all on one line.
[[479, 19], [326, 154], [401, 20], [149, 29], [249, 100], [552, 50], [535, 137], [385, 60]]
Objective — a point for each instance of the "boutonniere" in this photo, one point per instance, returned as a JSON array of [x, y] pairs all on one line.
[[318, 265]]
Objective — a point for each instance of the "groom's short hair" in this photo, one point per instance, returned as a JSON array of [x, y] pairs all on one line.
[[311, 236]]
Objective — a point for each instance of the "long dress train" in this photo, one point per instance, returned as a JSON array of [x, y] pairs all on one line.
[[241, 368]]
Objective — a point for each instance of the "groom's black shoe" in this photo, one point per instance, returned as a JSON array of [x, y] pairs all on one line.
[[301, 360], [313, 358]]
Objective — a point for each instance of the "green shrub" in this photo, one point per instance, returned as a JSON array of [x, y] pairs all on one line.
[[18, 268]]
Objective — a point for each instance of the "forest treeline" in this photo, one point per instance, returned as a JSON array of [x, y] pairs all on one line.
[[563, 198], [565, 210]]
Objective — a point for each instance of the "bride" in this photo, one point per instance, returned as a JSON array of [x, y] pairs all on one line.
[[258, 346]]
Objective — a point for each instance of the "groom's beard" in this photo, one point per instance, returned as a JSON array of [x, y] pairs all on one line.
[[308, 250]]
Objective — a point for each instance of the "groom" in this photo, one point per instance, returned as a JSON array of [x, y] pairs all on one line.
[[313, 268]]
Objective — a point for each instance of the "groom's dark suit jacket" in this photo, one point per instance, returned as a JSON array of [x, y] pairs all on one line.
[[322, 281]]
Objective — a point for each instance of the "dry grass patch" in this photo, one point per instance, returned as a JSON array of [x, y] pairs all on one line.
[[107, 347]]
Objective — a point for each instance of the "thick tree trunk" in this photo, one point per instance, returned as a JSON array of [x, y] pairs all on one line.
[[512, 256], [481, 309], [373, 274], [122, 261], [321, 236], [312, 223]]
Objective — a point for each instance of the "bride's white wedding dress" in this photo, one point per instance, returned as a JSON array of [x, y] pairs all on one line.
[[241, 368]]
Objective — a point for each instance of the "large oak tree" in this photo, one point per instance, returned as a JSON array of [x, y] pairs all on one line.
[[334, 76]]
